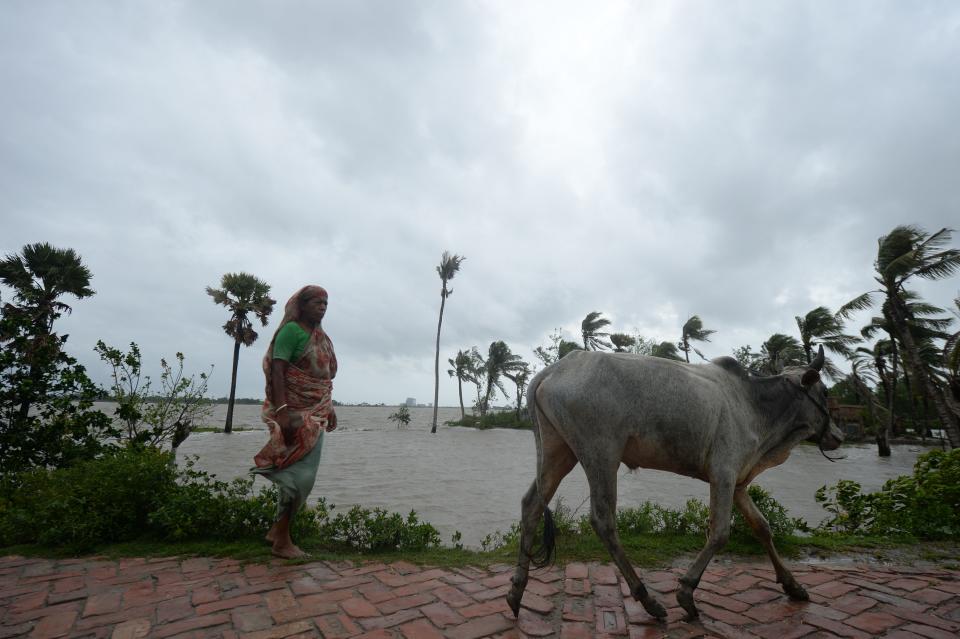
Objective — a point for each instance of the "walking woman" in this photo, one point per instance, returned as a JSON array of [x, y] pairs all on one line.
[[299, 366]]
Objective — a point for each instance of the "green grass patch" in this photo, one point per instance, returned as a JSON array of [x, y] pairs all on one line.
[[498, 419]]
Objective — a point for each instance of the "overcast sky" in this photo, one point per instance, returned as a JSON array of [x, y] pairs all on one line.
[[649, 160]]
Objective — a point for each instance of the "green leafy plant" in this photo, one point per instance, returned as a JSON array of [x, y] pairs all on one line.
[[401, 417]]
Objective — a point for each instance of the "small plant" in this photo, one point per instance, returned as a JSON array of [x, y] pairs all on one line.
[[402, 417]]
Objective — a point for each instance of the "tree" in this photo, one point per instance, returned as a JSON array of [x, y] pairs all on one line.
[[878, 356], [951, 360], [908, 252], [449, 265], [243, 294], [152, 420], [820, 326], [666, 350], [748, 359], [61, 427], [39, 277], [520, 376], [693, 330], [401, 417], [500, 360], [592, 335], [778, 352], [550, 353], [622, 342], [565, 348], [462, 370]]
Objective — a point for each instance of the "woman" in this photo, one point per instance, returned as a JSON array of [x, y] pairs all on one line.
[[299, 366]]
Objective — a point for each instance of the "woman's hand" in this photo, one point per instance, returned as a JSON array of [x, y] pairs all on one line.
[[286, 429], [332, 420]]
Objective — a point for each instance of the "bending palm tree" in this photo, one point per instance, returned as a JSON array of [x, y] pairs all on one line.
[[819, 326], [39, 277], [906, 252], [666, 350], [462, 370], [693, 330], [449, 265], [500, 360], [621, 342], [243, 294], [780, 351], [590, 329]]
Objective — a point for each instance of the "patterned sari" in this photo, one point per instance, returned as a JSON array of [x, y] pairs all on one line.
[[308, 384]]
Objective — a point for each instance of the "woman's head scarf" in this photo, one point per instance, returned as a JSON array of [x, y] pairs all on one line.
[[291, 313]]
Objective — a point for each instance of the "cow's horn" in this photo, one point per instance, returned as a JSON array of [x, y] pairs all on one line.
[[817, 363]]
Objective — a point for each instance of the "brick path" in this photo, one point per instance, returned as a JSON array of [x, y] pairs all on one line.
[[200, 597]]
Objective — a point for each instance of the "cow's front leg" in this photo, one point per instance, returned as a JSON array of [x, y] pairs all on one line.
[[761, 529], [603, 508], [721, 507]]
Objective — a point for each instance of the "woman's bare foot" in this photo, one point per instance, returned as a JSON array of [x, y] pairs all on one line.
[[271, 535], [289, 551]]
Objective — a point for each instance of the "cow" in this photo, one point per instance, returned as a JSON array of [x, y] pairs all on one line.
[[715, 422]]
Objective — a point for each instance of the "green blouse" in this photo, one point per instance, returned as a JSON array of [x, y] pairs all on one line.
[[291, 342]]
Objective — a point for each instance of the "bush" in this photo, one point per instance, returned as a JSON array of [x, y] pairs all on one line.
[[494, 419], [137, 493], [925, 504], [781, 524], [99, 501]]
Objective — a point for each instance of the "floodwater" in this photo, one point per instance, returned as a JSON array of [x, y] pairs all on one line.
[[472, 481]]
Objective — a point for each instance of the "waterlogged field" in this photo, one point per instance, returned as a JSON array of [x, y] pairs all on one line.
[[469, 480]]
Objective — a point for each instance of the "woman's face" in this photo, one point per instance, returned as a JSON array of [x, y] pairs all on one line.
[[314, 309]]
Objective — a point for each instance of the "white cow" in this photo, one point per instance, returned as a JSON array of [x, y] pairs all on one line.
[[714, 422]]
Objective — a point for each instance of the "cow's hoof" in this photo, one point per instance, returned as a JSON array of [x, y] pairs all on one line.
[[685, 599], [513, 600], [794, 590]]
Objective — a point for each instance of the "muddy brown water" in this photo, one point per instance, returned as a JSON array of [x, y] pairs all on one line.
[[472, 481]]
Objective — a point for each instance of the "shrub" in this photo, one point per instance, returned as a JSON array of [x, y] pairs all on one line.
[[137, 493], [99, 501], [781, 524], [925, 504]]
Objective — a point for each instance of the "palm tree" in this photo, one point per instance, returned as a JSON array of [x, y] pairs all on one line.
[[564, 348], [819, 326], [622, 342], [693, 330], [500, 360], [462, 371], [520, 375], [779, 352], [878, 356], [904, 253], [592, 335], [39, 277], [449, 265], [951, 361], [243, 294], [666, 350]]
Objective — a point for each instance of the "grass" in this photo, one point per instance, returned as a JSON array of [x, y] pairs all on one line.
[[647, 550], [496, 419]]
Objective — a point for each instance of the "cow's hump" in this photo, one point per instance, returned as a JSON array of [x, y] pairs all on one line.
[[730, 365]]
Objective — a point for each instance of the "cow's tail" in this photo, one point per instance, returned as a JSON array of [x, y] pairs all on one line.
[[542, 555]]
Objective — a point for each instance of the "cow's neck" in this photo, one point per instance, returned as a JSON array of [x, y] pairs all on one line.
[[777, 408]]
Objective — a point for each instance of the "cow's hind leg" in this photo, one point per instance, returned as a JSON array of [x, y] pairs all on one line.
[[603, 509], [761, 529], [721, 507], [558, 461]]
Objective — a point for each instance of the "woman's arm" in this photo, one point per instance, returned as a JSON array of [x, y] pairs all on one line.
[[278, 387]]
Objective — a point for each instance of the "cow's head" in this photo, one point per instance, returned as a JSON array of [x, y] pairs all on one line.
[[813, 412]]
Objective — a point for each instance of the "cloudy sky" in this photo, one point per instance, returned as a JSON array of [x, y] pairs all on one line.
[[649, 160]]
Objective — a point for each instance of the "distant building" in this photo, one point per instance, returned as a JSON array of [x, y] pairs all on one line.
[[411, 401]]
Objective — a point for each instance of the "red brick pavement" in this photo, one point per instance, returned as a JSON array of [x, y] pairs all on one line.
[[201, 597]]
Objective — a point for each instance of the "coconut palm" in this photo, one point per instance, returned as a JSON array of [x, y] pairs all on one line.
[[463, 371], [520, 376], [39, 276], [951, 361], [666, 350], [590, 329], [883, 359], [908, 252], [622, 342], [449, 265], [565, 348], [243, 294], [693, 330], [780, 351], [820, 326], [500, 360]]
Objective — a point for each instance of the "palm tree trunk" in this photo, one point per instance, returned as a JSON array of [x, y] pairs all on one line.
[[948, 420], [686, 349], [436, 360], [463, 413], [228, 427]]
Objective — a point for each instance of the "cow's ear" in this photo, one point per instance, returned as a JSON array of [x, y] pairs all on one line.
[[810, 378]]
